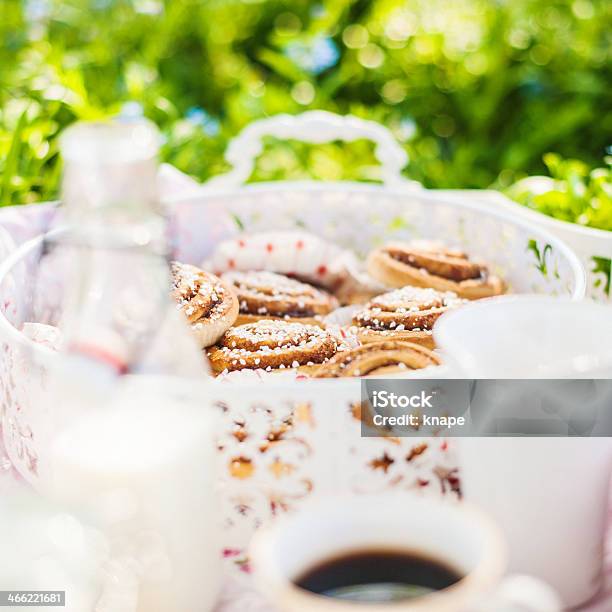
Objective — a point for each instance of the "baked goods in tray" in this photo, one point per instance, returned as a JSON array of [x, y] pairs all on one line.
[[297, 254], [378, 359], [272, 345], [358, 286], [432, 264], [267, 295], [406, 314], [277, 308], [208, 303]]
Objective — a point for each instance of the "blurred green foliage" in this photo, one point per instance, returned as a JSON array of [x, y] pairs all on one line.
[[476, 90], [572, 193]]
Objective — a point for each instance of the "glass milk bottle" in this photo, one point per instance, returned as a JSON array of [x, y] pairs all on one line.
[[131, 450], [117, 308]]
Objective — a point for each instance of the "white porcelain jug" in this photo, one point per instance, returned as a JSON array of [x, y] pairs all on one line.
[[549, 494]]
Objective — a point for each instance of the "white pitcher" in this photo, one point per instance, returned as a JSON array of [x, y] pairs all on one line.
[[550, 495]]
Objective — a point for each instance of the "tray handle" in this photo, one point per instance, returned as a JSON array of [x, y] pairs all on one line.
[[315, 127]]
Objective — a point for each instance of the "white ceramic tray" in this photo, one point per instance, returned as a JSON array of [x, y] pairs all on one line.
[[282, 442]]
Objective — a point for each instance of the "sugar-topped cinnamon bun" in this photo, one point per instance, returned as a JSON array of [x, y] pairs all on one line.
[[267, 295], [272, 345], [378, 359], [208, 303], [406, 314], [432, 264]]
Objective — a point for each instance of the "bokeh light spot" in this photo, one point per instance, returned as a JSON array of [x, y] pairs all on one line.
[[443, 126], [519, 39], [540, 55], [303, 93], [476, 64], [287, 24], [400, 26], [394, 91], [583, 9], [371, 56], [355, 36]]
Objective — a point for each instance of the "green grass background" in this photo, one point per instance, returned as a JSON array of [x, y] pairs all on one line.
[[477, 91]]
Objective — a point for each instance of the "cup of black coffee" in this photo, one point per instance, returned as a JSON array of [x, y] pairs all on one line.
[[390, 552]]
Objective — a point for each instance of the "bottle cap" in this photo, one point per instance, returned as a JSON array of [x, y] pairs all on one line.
[[112, 142]]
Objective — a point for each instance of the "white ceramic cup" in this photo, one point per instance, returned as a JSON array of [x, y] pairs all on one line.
[[528, 336], [456, 534], [549, 495]]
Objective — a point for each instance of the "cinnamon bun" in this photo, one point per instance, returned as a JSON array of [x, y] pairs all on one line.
[[378, 359], [272, 345], [267, 295], [431, 264], [298, 254], [208, 303], [406, 314]]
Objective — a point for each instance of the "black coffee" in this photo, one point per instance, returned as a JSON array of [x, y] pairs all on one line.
[[378, 576]]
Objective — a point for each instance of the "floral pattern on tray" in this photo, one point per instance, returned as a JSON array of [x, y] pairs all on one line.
[[379, 216], [275, 453], [281, 446]]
